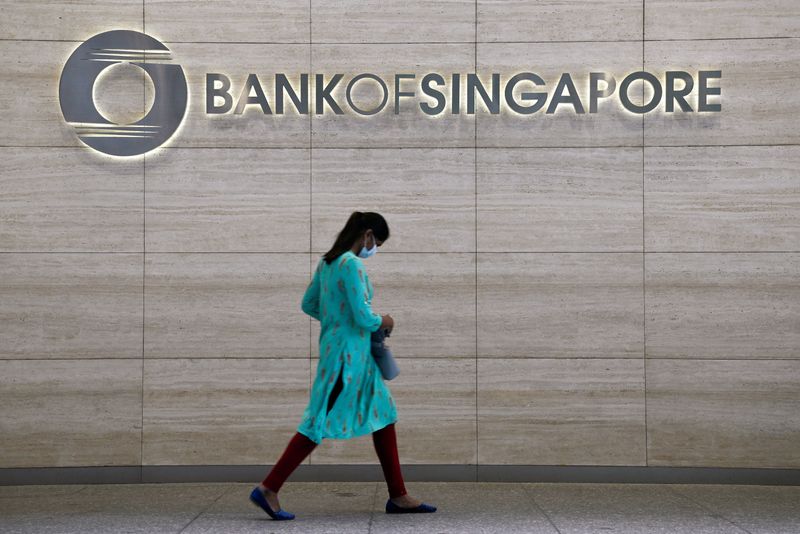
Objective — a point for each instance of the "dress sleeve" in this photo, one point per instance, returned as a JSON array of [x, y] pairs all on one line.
[[355, 287], [310, 303]]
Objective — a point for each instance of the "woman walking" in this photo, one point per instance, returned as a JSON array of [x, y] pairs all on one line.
[[349, 397]]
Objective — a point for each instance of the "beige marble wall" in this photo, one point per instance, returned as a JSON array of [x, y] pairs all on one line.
[[569, 290]]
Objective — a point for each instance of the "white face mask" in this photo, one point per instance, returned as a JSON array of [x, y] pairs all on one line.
[[365, 252]]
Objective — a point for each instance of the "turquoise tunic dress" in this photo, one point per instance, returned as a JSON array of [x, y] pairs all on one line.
[[339, 297]]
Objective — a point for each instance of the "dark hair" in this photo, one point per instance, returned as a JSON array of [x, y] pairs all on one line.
[[358, 223]]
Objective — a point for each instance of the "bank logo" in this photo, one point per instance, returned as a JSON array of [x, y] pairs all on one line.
[[76, 89]]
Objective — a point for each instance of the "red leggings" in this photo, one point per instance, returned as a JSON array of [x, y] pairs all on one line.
[[300, 446]]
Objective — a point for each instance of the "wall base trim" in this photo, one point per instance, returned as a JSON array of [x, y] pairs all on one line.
[[411, 472]]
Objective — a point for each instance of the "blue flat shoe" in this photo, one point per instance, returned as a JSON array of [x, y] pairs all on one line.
[[392, 508], [257, 498]]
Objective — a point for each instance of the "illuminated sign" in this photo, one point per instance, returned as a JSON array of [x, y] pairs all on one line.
[[431, 93], [440, 92], [76, 93]]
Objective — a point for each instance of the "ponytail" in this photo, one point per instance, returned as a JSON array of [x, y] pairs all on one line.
[[358, 223]]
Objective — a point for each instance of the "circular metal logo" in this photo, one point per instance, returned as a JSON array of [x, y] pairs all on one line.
[[75, 93]]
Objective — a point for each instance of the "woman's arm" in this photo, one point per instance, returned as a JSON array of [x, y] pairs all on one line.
[[310, 303], [355, 287]]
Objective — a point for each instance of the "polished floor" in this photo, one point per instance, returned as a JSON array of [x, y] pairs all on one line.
[[340, 507]]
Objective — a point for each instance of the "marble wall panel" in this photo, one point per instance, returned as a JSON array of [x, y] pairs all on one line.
[[235, 210], [727, 306], [227, 21], [554, 305], [228, 200], [233, 411], [397, 21], [561, 411], [723, 413], [69, 199], [732, 19], [431, 299], [554, 20], [426, 195], [448, 385], [612, 125], [559, 199], [408, 128], [64, 413], [70, 306], [225, 306], [759, 98], [722, 199], [70, 20]]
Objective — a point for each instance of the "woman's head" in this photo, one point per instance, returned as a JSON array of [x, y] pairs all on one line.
[[365, 229]]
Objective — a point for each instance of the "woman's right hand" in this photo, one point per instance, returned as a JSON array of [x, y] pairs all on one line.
[[387, 322]]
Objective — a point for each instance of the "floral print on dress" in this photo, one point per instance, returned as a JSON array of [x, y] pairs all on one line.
[[344, 347]]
